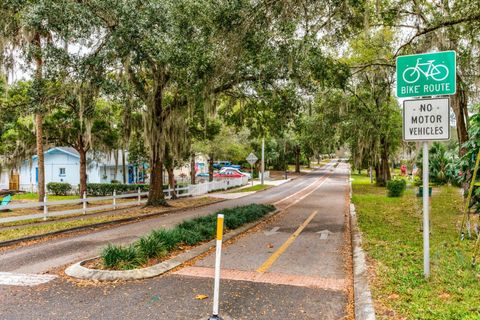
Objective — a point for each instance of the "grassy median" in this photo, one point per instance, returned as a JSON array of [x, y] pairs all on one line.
[[158, 244], [392, 237]]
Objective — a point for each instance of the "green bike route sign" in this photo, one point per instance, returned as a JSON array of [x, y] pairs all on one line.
[[428, 74]]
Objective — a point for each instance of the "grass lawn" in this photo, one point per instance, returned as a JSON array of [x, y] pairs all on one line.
[[257, 187], [34, 197], [392, 237]]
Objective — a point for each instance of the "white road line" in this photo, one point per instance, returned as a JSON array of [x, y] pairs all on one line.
[[307, 194], [303, 189], [20, 279]]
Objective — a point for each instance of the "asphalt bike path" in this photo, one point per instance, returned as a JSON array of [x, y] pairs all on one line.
[[294, 267]]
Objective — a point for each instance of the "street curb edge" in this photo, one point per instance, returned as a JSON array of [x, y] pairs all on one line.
[[364, 308]]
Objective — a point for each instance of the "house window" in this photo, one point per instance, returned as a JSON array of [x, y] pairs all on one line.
[[62, 172]]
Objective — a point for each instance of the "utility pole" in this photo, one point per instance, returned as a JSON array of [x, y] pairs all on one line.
[[263, 160]]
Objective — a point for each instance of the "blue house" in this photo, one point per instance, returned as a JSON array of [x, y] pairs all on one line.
[[62, 164]]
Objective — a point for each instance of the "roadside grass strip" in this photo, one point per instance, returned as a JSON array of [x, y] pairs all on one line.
[[257, 187], [392, 238], [19, 279], [159, 243]]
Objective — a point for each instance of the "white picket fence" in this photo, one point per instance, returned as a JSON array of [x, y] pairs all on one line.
[[139, 198]]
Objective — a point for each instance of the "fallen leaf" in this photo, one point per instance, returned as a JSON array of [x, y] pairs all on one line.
[[393, 296], [201, 296], [444, 296]]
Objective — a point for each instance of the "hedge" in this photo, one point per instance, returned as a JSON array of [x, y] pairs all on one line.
[[104, 189], [159, 243], [59, 188]]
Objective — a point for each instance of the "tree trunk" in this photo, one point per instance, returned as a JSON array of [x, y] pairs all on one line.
[[156, 116], [297, 159], [192, 168], [83, 170], [379, 175], [155, 193], [115, 169], [171, 182], [124, 167], [40, 157], [386, 169], [460, 108], [39, 120], [210, 168], [382, 170]]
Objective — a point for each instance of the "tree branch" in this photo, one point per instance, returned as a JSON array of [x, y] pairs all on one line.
[[444, 24]]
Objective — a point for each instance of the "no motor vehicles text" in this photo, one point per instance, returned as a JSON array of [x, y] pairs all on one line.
[[424, 116]]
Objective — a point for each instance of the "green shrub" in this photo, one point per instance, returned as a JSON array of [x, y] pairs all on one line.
[[150, 246], [417, 181], [59, 188], [170, 238], [191, 237], [396, 187], [190, 232], [119, 257], [104, 189]]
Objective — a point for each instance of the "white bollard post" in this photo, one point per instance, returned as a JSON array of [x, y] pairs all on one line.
[[426, 224], [45, 208], [218, 256], [114, 199], [84, 202], [139, 199]]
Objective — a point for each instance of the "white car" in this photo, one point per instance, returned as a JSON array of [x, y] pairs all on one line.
[[228, 170]]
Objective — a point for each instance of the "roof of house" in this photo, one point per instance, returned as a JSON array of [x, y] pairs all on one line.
[[99, 158], [67, 150]]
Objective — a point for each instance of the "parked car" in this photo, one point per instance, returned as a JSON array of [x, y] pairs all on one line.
[[232, 171], [204, 175], [220, 164]]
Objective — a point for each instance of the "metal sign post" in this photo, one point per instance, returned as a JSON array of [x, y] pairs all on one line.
[[263, 160], [426, 211]]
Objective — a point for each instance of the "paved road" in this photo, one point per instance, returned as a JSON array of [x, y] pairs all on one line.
[[293, 268], [41, 257]]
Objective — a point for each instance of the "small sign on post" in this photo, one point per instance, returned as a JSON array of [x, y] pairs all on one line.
[[426, 119], [427, 74]]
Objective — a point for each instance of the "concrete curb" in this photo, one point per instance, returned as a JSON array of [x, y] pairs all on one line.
[[364, 309], [79, 271]]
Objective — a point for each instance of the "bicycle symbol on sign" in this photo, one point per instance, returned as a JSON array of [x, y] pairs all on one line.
[[437, 72]]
